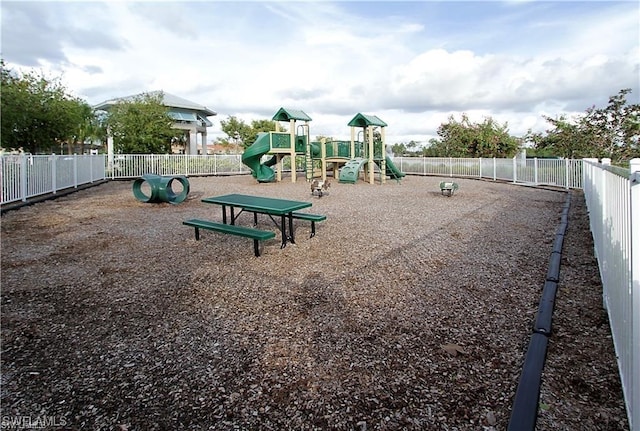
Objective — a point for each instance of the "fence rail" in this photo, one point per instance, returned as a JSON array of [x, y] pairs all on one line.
[[26, 176], [613, 199], [563, 173], [23, 176], [135, 165]]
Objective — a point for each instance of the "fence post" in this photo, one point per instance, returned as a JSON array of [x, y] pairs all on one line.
[[515, 170], [494, 169], [634, 205], [480, 170], [75, 171], [535, 171], [604, 202], [566, 174], [23, 177], [54, 173]]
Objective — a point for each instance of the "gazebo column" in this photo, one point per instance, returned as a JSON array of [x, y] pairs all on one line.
[[203, 136], [193, 141]]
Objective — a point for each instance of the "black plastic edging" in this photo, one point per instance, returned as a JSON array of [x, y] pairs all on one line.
[[545, 310], [562, 228], [524, 412], [10, 206], [557, 244], [553, 273], [525, 406]]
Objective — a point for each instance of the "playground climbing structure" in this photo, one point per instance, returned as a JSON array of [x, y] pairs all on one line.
[[363, 153]]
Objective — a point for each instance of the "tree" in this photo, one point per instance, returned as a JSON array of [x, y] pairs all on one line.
[[141, 125], [89, 128], [466, 139], [264, 126], [398, 149], [239, 132], [565, 139], [319, 138], [613, 132], [38, 113]]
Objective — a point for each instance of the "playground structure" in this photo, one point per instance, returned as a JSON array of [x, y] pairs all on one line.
[[364, 152]]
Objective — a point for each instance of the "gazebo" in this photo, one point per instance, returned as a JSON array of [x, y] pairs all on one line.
[[187, 115]]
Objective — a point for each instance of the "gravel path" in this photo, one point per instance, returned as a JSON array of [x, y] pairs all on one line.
[[408, 310]]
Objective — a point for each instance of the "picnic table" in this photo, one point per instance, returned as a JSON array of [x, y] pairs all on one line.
[[272, 207]]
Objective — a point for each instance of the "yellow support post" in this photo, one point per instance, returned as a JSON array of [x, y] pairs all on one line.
[[352, 152], [292, 134], [369, 132], [383, 162]]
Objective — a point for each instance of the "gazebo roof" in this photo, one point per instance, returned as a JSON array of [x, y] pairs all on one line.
[[363, 120], [290, 114], [168, 100]]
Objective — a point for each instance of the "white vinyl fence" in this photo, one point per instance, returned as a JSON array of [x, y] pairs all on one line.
[[24, 175], [613, 200], [565, 173], [136, 165]]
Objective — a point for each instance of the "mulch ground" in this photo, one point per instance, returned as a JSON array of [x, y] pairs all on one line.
[[115, 318]]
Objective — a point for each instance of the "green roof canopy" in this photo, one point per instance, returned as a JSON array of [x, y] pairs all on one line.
[[363, 120], [290, 114]]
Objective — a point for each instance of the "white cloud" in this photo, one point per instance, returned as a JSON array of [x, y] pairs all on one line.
[[413, 64]]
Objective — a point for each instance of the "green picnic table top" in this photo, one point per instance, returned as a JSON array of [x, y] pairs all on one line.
[[258, 203]]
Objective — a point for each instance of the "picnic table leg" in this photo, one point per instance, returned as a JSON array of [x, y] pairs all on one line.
[[291, 233], [283, 231], [233, 217], [255, 219]]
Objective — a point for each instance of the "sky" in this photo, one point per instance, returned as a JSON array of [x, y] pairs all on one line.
[[413, 64]]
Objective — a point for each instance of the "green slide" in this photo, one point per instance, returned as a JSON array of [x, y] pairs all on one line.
[[252, 156], [392, 169]]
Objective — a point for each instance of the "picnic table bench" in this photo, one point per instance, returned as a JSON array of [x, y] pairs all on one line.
[[313, 218], [255, 234]]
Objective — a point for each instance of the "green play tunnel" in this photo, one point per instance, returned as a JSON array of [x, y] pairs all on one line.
[[160, 189]]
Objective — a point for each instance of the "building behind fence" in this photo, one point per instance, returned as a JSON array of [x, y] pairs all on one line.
[[612, 196]]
